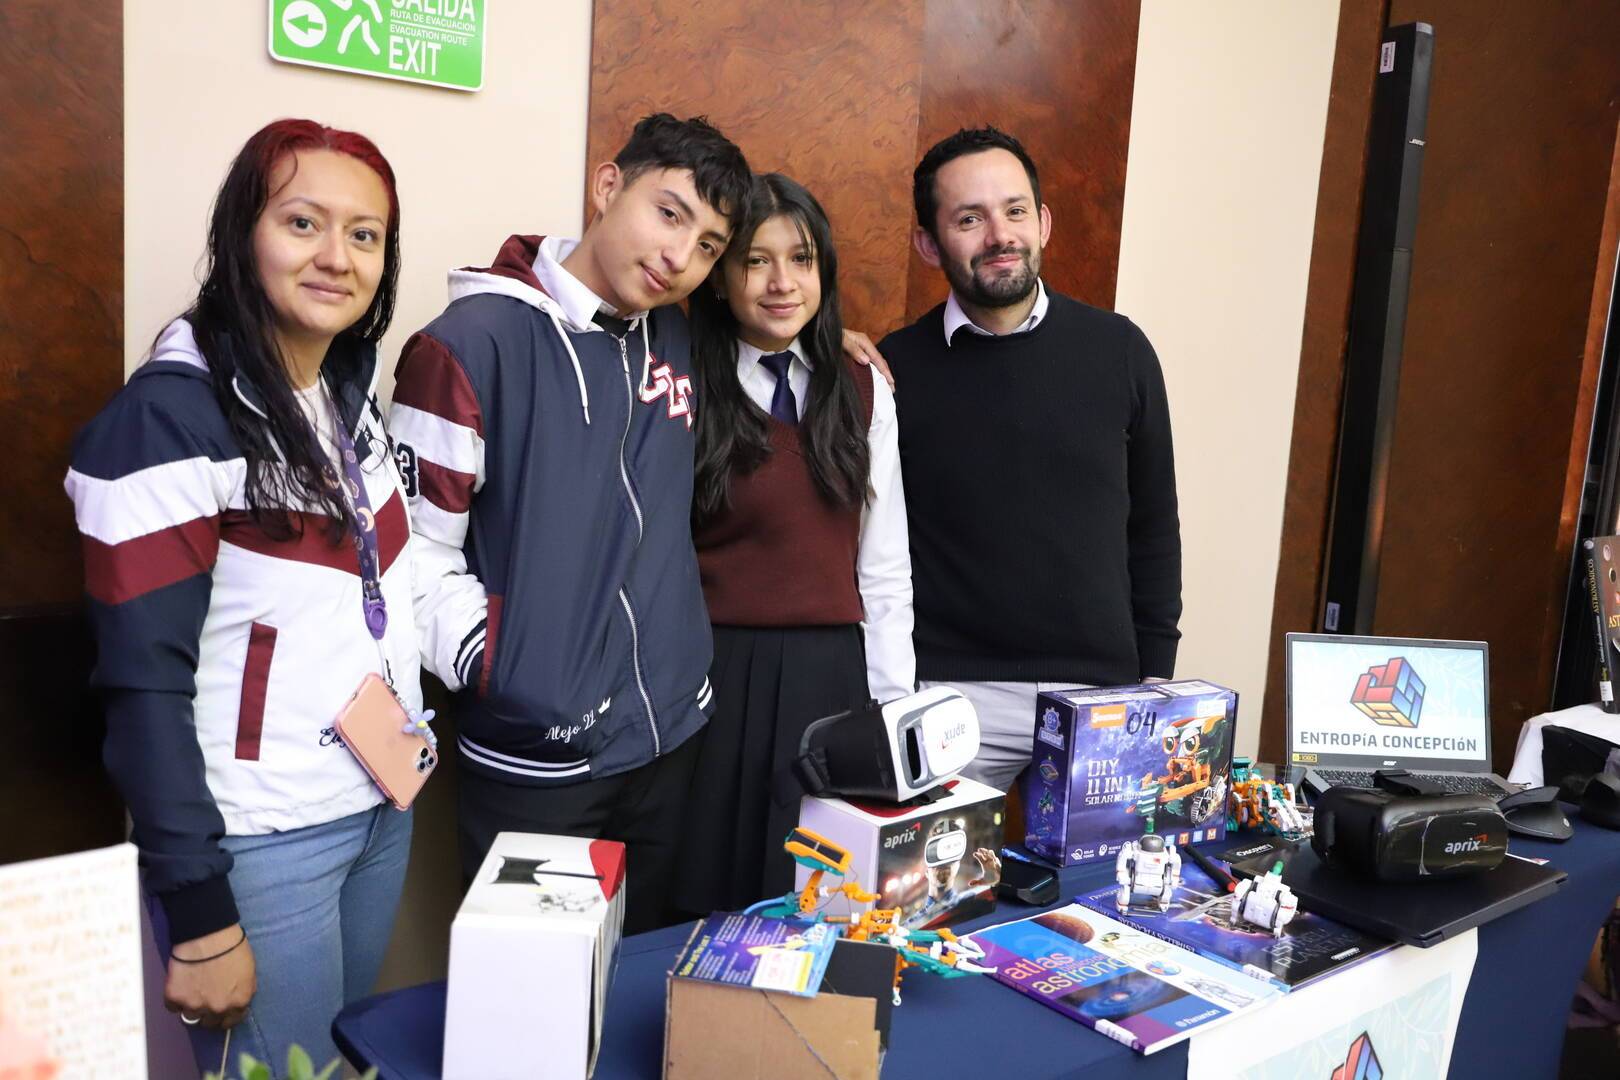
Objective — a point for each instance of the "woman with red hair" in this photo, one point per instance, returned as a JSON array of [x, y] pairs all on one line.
[[247, 566]]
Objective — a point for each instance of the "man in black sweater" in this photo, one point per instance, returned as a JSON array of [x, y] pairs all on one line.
[[1035, 446]]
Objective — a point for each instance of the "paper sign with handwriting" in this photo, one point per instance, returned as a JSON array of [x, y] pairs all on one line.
[[70, 961]]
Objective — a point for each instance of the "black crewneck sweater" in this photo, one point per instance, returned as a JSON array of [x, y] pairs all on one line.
[[1041, 491]]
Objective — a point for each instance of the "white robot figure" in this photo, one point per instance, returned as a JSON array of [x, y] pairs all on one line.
[[1277, 804], [1147, 868], [1264, 903]]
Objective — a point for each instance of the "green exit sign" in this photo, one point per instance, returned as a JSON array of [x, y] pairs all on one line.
[[439, 42]]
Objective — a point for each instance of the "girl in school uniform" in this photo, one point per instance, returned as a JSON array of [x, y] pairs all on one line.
[[799, 520]]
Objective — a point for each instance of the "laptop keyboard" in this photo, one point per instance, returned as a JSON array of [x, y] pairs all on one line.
[[1456, 783]]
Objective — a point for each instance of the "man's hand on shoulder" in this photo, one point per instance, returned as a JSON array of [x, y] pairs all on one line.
[[859, 348]]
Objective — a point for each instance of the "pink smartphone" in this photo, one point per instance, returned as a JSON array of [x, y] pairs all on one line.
[[372, 725]]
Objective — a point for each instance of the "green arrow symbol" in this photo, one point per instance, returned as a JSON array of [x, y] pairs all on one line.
[[304, 22]]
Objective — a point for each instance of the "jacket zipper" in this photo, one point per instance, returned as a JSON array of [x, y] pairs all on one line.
[[641, 529]]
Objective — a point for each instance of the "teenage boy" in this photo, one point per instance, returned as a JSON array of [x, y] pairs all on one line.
[[544, 424], [1035, 443]]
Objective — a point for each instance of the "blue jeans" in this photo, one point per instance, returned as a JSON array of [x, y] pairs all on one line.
[[318, 906]]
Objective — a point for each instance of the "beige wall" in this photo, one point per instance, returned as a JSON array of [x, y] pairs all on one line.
[[1220, 196], [472, 168]]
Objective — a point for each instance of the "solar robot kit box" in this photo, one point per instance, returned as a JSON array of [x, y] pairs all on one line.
[[1113, 763]]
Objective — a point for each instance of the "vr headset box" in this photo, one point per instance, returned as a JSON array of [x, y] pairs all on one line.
[[937, 861], [532, 952], [1112, 763]]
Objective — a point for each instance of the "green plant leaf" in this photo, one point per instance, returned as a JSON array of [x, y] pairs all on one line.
[[299, 1065], [331, 1067], [252, 1069], [370, 1074]]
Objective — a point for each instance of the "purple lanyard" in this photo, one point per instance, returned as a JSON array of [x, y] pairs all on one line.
[[364, 529]]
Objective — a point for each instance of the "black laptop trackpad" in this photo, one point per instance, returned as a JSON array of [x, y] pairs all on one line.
[[1422, 913]]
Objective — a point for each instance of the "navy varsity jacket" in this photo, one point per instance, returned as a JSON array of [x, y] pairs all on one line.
[[549, 468]]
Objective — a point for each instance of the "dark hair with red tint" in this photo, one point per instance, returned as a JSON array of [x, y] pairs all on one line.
[[234, 325]]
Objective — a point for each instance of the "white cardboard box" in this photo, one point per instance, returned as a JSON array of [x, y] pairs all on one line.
[[532, 951], [937, 862]]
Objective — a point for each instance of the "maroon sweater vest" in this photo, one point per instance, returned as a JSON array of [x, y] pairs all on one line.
[[783, 554]]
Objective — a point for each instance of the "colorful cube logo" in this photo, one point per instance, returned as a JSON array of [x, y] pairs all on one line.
[[1361, 1063], [1391, 694]]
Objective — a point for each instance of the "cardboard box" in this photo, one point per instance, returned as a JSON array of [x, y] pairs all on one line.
[[1113, 763], [532, 952], [937, 862], [712, 1029]]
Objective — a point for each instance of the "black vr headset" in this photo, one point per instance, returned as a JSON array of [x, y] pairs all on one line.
[[893, 753], [1408, 837]]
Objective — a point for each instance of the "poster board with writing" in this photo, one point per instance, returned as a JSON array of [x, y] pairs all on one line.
[[70, 962]]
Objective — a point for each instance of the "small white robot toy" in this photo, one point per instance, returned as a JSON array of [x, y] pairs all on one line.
[[1148, 870], [1264, 902]]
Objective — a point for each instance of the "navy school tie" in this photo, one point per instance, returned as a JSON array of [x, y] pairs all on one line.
[[784, 406]]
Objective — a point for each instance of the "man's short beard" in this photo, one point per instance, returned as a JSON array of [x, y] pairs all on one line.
[[1004, 291]]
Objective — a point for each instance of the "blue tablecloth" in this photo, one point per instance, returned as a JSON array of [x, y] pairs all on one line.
[[1512, 1019]]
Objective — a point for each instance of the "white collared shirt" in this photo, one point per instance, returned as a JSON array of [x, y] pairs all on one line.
[[956, 318], [883, 560], [579, 304]]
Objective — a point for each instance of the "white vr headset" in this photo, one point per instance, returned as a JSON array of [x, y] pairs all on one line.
[[892, 752], [946, 847]]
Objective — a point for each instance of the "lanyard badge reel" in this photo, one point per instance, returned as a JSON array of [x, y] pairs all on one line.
[[395, 746]]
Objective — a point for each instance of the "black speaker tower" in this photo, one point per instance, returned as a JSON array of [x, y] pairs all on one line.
[[1372, 370]]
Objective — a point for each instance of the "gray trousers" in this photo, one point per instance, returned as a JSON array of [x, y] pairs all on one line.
[[1006, 726]]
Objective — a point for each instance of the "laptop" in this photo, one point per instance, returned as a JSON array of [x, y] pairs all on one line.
[[1421, 913], [1360, 704]]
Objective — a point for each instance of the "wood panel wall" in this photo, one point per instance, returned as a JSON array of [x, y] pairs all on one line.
[[1495, 377], [846, 96], [1059, 75], [61, 272], [1515, 179], [61, 358]]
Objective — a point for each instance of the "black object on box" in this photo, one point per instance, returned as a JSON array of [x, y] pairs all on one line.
[[1600, 801], [866, 969], [1569, 758], [1408, 837], [1027, 882]]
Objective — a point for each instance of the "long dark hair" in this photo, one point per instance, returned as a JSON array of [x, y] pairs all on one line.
[[234, 325], [732, 432]]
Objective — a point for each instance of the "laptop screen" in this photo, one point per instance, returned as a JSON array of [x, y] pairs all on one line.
[[1376, 703]]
